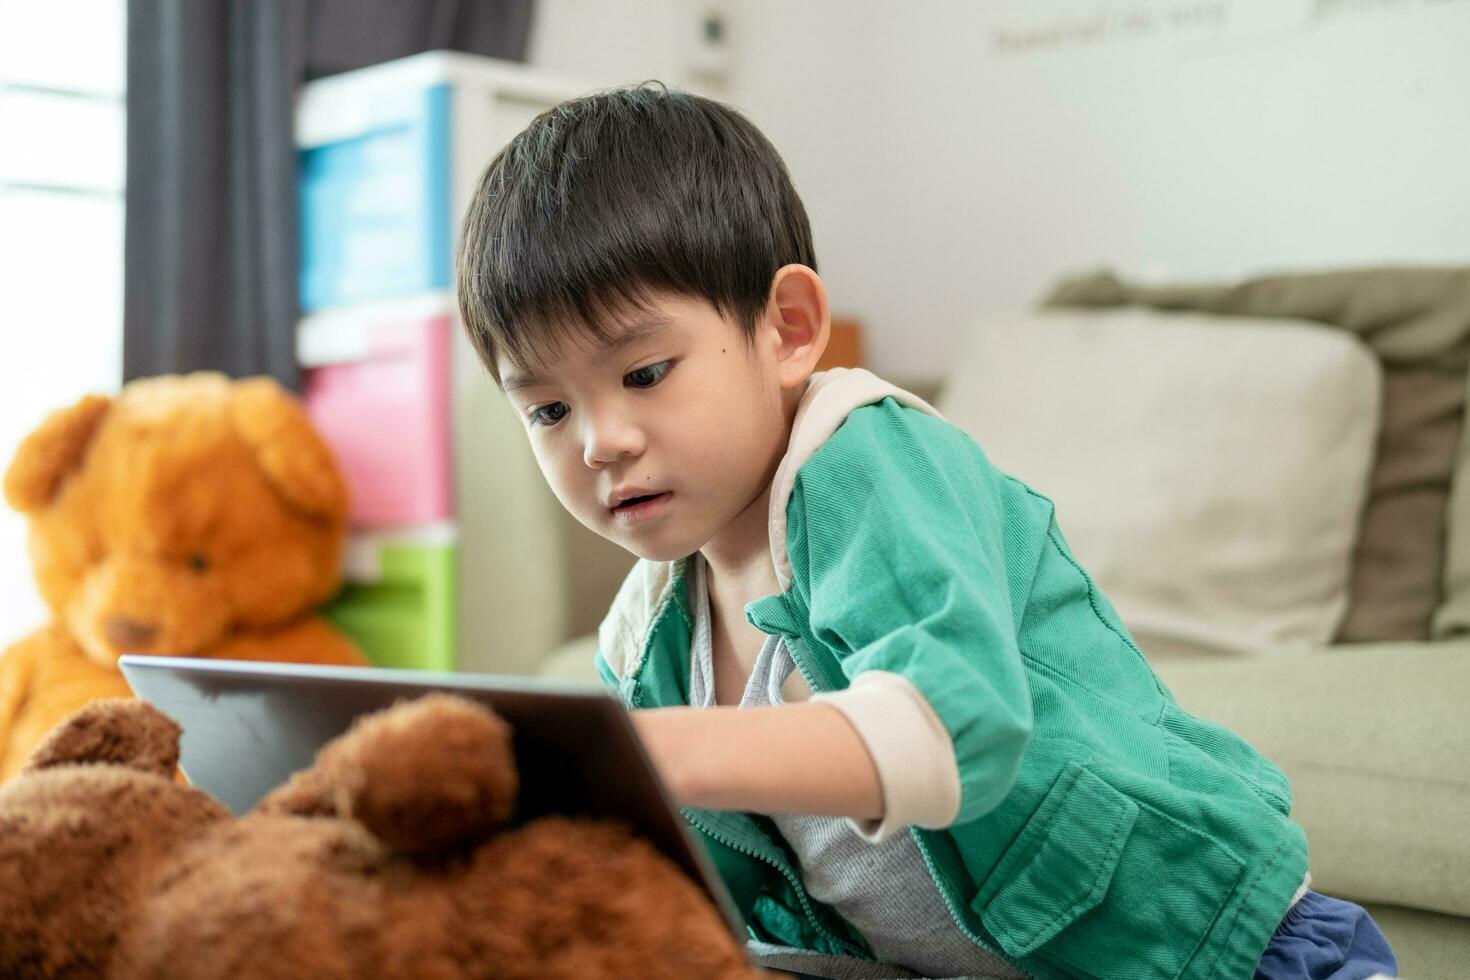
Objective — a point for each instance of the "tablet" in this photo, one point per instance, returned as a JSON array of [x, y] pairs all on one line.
[[249, 725]]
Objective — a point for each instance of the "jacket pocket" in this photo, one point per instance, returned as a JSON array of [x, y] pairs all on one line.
[[1100, 884], [1060, 865]]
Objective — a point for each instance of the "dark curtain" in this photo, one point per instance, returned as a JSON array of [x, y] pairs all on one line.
[[211, 240]]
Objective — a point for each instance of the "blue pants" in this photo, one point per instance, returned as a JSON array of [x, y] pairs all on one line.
[[1325, 938]]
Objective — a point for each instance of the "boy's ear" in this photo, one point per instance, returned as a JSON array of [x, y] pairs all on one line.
[[798, 312]]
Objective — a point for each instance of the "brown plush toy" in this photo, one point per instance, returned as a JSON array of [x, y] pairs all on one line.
[[390, 857], [191, 516]]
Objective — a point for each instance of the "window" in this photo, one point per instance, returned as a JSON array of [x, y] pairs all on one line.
[[62, 155]]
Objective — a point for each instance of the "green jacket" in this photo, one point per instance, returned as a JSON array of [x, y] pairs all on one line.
[[1102, 831]]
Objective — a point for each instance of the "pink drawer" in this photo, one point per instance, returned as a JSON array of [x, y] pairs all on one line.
[[384, 408]]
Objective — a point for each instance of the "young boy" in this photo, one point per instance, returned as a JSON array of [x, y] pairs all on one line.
[[913, 735]]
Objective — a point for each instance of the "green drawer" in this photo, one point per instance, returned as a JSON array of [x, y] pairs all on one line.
[[402, 614]]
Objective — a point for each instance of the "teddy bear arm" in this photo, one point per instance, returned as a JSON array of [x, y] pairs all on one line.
[[16, 665], [311, 641], [45, 678]]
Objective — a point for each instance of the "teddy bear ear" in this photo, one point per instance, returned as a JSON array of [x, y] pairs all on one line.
[[115, 731], [296, 461], [425, 777], [51, 452]]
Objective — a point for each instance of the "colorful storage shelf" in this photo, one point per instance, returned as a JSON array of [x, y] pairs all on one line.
[[389, 157]]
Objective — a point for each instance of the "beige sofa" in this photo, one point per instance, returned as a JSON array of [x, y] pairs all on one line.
[[1373, 725], [1373, 734], [1375, 739]]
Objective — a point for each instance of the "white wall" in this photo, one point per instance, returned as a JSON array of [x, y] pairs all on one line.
[[619, 42], [958, 156]]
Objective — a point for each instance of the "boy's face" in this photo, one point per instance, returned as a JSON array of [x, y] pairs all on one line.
[[660, 440]]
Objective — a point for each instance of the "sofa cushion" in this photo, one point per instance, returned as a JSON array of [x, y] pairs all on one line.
[[1395, 587], [1411, 575], [1209, 477]]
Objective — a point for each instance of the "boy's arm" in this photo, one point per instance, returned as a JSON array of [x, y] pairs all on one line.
[[796, 758], [907, 560]]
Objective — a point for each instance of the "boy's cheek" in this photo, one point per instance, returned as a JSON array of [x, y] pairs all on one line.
[[558, 473], [575, 495]]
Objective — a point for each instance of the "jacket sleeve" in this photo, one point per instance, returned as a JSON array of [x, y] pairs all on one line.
[[898, 537]]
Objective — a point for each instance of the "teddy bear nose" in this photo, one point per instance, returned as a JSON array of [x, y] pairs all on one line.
[[129, 634]]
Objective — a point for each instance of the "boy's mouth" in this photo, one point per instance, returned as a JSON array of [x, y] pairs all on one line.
[[631, 501], [643, 505]]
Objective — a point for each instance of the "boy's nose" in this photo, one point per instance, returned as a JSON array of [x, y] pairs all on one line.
[[607, 441]]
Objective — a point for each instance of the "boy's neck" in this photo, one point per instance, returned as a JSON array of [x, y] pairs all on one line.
[[738, 571], [738, 559]]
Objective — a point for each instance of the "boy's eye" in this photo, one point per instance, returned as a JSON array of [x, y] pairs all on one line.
[[549, 414], [647, 377]]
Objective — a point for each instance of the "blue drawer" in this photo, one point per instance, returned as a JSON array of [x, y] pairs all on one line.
[[375, 209]]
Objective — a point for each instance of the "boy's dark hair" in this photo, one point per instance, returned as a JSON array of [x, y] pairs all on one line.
[[605, 200]]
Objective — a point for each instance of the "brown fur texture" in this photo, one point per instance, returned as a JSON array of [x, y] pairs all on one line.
[[109, 869], [190, 516]]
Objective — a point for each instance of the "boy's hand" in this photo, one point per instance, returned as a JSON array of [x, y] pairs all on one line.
[[796, 758]]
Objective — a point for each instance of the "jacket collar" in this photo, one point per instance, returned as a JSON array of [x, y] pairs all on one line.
[[829, 398]]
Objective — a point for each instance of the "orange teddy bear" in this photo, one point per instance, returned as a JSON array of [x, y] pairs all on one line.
[[189, 516]]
